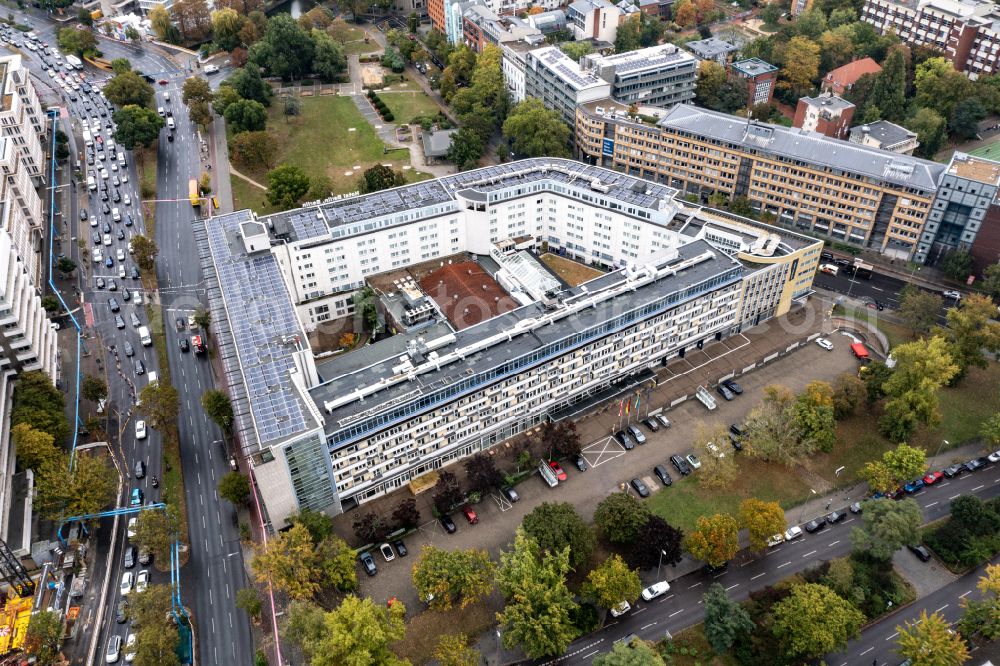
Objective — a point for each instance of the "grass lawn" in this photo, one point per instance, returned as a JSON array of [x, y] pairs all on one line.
[[424, 629], [895, 333], [573, 272], [407, 105], [990, 151], [246, 195], [691, 649], [360, 47]]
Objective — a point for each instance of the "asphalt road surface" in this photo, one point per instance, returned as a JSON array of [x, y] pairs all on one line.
[[681, 607], [880, 288], [214, 571]]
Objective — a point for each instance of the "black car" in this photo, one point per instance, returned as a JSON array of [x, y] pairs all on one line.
[[400, 547], [448, 524], [735, 441], [835, 517], [663, 475], [715, 570], [128, 220], [953, 471], [184, 344], [368, 563], [815, 525], [180, 323], [511, 494], [135, 273], [680, 465], [121, 235], [581, 463], [724, 392], [104, 195], [130, 556], [125, 294], [121, 612], [640, 487], [128, 349], [83, 214], [921, 552], [140, 367], [106, 209], [625, 440], [651, 424], [733, 386], [856, 508], [974, 464]]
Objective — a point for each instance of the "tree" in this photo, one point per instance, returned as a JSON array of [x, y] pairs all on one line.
[[65, 265], [76, 41], [248, 599], [813, 620], [454, 650], [319, 524], [725, 620], [638, 31], [801, 63], [247, 115], [576, 50], [930, 127], [814, 416], [918, 308], [446, 577], [157, 530], [160, 402], [889, 88], [354, 7], [685, 14], [447, 493], [711, 77], [254, 149], [982, 616], [717, 469], [303, 625], [922, 367], [406, 514], [234, 487], [612, 582], [192, 18], [93, 388], [562, 438], [317, 17], [286, 185], [156, 646], [162, 25], [39, 403], [35, 448], [144, 251], [619, 516], [285, 50], [226, 26], [939, 86], [715, 539], [320, 187], [762, 520], [770, 14], [129, 89], [380, 177], [84, 17], [151, 607], [329, 61], [990, 429], [295, 565], [656, 543], [887, 527], [200, 113], [556, 525], [466, 148], [196, 89], [219, 408], [970, 331], [974, 515], [136, 126], [359, 632], [930, 641], [535, 130], [370, 528], [848, 392], [482, 474], [772, 432], [991, 280], [966, 117], [249, 84], [132, 35], [538, 613], [43, 638], [634, 653]]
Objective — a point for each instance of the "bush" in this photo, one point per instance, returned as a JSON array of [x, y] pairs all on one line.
[[307, 82], [584, 617], [961, 547], [388, 117]]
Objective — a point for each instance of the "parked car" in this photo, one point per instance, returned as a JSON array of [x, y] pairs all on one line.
[[815, 525], [664, 421], [470, 515], [663, 475], [735, 441], [114, 651], [856, 508], [448, 524], [511, 494], [835, 517], [656, 590], [825, 344], [733, 386], [680, 465], [974, 465], [953, 471], [128, 560], [793, 532], [725, 392], [558, 470], [914, 486], [637, 434], [128, 580], [387, 552], [932, 477], [113, 304], [581, 463], [651, 424], [640, 487], [620, 609], [775, 540], [693, 460], [121, 612], [400, 547], [141, 581], [921, 552], [368, 562], [994, 457], [625, 440]]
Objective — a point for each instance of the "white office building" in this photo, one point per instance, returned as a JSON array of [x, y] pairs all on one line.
[[661, 75], [560, 82], [22, 119]]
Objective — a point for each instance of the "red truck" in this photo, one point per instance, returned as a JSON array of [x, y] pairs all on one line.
[[199, 346]]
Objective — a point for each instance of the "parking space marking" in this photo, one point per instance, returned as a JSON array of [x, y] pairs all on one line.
[[602, 451]]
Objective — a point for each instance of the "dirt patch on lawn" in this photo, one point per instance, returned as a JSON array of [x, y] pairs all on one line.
[[425, 629]]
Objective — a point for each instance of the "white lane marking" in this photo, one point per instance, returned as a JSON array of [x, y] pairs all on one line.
[[732, 586], [694, 586], [954, 496], [894, 634], [866, 652], [676, 612], [647, 626], [941, 609], [965, 594], [783, 565], [833, 544], [758, 576], [927, 506], [978, 488], [811, 552]]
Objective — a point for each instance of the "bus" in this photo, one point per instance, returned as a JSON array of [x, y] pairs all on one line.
[[193, 193], [862, 269]]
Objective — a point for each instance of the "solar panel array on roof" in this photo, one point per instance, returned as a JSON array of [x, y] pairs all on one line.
[[264, 327], [308, 223]]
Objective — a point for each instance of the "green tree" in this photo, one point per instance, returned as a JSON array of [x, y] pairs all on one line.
[[246, 115], [329, 61], [982, 616], [359, 632], [39, 403], [248, 599], [717, 469], [75, 41], [725, 620], [889, 89], [446, 577], [801, 63], [896, 467], [965, 120], [939, 86], [538, 612], [43, 638], [196, 89], [761, 520], [157, 530], [454, 650], [813, 620], [971, 331], [466, 148], [930, 641], [619, 516], [35, 448], [93, 388], [160, 402], [84, 17], [922, 367], [638, 31], [162, 24], [65, 265], [930, 127], [772, 431], [234, 487], [249, 84], [226, 26], [848, 392], [380, 177], [156, 646], [254, 149], [534, 130], [919, 309], [576, 50], [219, 408], [635, 653], [119, 65], [136, 126], [144, 251], [887, 526], [286, 185], [295, 565], [128, 88], [991, 280], [770, 14], [711, 77], [556, 525], [814, 416], [285, 50], [612, 582], [715, 539], [319, 524], [990, 429]]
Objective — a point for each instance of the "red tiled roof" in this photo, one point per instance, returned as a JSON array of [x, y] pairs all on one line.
[[849, 74]]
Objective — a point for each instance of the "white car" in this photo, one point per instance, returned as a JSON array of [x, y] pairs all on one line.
[[211, 69], [664, 421], [128, 579], [93, 221], [620, 609], [793, 532], [387, 552], [104, 173], [656, 590], [116, 215], [775, 540], [994, 457], [142, 581], [137, 298], [107, 239], [140, 429], [124, 175], [114, 652], [120, 254], [114, 166], [951, 293], [98, 256], [825, 344], [131, 527], [130, 648], [127, 200]]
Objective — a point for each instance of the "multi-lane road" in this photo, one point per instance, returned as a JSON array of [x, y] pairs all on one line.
[[214, 571], [682, 606]]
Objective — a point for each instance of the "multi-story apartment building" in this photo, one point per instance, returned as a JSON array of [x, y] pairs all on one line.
[[22, 119], [760, 78], [22, 215], [712, 48], [513, 63], [885, 136], [849, 192], [481, 26], [436, 12], [594, 19], [966, 31], [27, 342], [560, 82], [334, 434], [827, 114], [655, 76]]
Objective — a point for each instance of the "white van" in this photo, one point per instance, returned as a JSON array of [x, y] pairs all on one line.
[[109, 145], [170, 123], [88, 138], [91, 183], [152, 376], [144, 336]]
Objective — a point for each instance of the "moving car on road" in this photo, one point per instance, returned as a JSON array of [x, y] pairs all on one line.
[[656, 590]]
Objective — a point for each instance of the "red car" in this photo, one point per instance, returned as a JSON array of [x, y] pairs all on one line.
[[470, 515], [932, 478], [560, 474], [164, 82]]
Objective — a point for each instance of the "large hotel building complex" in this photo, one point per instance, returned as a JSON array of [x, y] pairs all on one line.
[[464, 371]]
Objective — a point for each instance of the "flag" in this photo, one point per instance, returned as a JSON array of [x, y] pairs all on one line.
[[628, 405], [621, 406], [636, 402]]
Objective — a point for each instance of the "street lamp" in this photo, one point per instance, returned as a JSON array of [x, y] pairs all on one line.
[[498, 647], [662, 553], [943, 442]]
